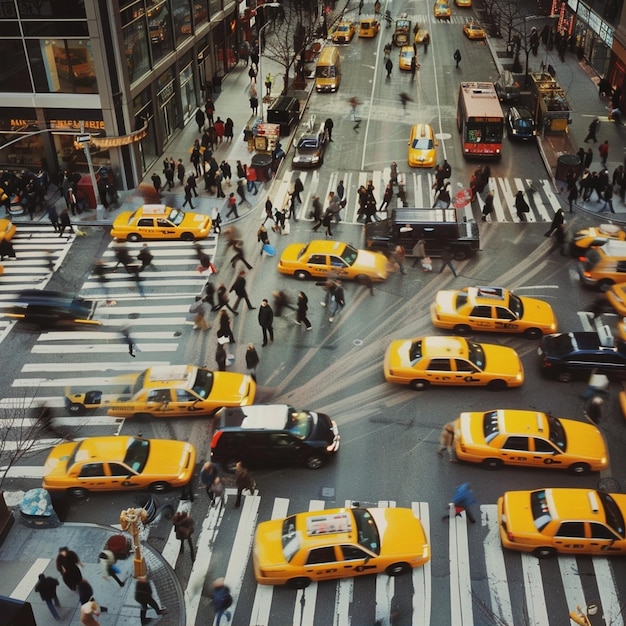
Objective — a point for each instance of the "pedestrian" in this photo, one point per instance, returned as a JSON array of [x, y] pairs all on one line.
[[183, 527], [252, 360], [327, 221], [210, 472], [593, 410], [404, 98], [457, 57], [145, 256], [6, 249], [607, 197], [336, 301], [72, 201], [462, 500], [387, 196], [85, 591], [572, 196], [521, 206], [225, 328], [254, 103], [302, 308], [231, 203], [557, 220], [143, 595], [588, 158], [196, 159], [222, 600], [209, 109], [68, 565], [328, 128], [443, 199], [389, 67], [156, 183], [419, 251], [603, 149], [241, 192], [263, 237], [47, 589], [204, 259], [266, 321], [218, 489], [281, 301], [200, 119], [426, 42], [592, 131], [180, 172], [413, 67], [239, 287], [248, 137], [64, 222], [223, 299], [446, 441], [268, 85], [446, 260], [298, 188], [252, 74], [89, 611], [251, 179], [229, 126], [199, 309], [243, 480], [488, 207], [53, 216], [191, 183], [316, 213], [169, 172], [239, 256], [398, 255], [560, 239], [187, 197], [220, 129], [127, 339], [109, 569], [227, 172]]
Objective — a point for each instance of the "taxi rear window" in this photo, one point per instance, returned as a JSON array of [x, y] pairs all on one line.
[[540, 509], [490, 425]]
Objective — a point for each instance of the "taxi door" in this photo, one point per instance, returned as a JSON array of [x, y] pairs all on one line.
[[338, 266], [516, 450], [166, 229], [505, 320], [586, 538], [322, 563], [161, 402], [317, 265]]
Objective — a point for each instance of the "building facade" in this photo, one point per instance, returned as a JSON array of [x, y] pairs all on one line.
[[128, 72]]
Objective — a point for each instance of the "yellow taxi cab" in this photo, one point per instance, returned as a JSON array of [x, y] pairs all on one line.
[[421, 35], [492, 309], [332, 259], [119, 464], [438, 360], [546, 522], [406, 56], [157, 221], [464, 3], [368, 27], [473, 30], [529, 438], [166, 391], [442, 10], [422, 146], [338, 543], [616, 296], [7, 230], [594, 237], [344, 32]]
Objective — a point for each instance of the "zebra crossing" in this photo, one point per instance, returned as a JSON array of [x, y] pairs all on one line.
[[425, 599], [540, 195], [92, 357]]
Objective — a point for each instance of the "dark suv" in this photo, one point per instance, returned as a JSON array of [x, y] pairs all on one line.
[[520, 123], [273, 434]]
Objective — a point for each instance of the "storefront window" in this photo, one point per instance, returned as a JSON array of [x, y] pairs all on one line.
[[167, 104], [187, 92], [14, 76], [160, 28], [135, 33], [145, 112], [62, 65], [66, 10]]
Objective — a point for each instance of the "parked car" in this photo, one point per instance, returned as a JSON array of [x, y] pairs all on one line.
[[520, 123]]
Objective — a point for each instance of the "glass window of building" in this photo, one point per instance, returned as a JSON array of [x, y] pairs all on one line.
[[65, 10], [144, 112], [135, 34], [166, 86], [187, 91], [14, 76], [182, 17], [62, 65], [160, 28], [215, 6]]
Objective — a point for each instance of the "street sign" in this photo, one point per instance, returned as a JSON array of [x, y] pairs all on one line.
[[83, 138]]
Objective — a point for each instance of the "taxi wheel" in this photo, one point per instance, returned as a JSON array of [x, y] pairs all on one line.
[[315, 461], [76, 408], [462, 329], [459, 255], [565, 377], [492, 464], [301, 275], [187, 237], [134, 237], [160, 487], [398, 569], [496, 385], [80, 493], [605, 285], [532, 333], [544, 553], [579, 469], [419, 385], [299, 583]]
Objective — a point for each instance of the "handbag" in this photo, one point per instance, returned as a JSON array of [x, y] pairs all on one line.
[[286, 228]]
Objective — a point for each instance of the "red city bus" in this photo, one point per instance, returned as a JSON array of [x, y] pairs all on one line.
[[480, 120]]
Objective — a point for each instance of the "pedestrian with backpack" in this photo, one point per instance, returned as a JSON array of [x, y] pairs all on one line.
[[222, 600]]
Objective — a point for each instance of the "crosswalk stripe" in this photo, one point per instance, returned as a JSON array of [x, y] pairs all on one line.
[[29, 580], [572, 585], [533, 587], [422, 591], [345, 593], [611, 605], [101, 348], [264, 593], [460, 578], [91, 366]]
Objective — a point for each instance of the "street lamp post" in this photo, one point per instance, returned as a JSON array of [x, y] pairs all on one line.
[[260, 73]]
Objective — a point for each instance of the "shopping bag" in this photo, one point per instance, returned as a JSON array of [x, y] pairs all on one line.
[[286, 228], [269, 250]]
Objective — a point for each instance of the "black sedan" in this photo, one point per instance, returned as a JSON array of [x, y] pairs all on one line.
[[568, 355]]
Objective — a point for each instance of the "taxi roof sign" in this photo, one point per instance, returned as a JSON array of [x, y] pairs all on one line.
[[490, 292], [328, 524]]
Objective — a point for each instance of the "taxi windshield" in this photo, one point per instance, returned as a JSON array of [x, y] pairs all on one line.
[[203, 383], [137, 453], [349, 254], [614, 517], [476, 354], [422, 143], [368, 536], [557, 433], [300, 424], [415, 352], [307, 143], [176, 216], [343, 28], [516, 306]]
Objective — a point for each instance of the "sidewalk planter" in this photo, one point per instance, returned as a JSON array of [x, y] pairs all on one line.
[[565, 164], [6, 518]]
